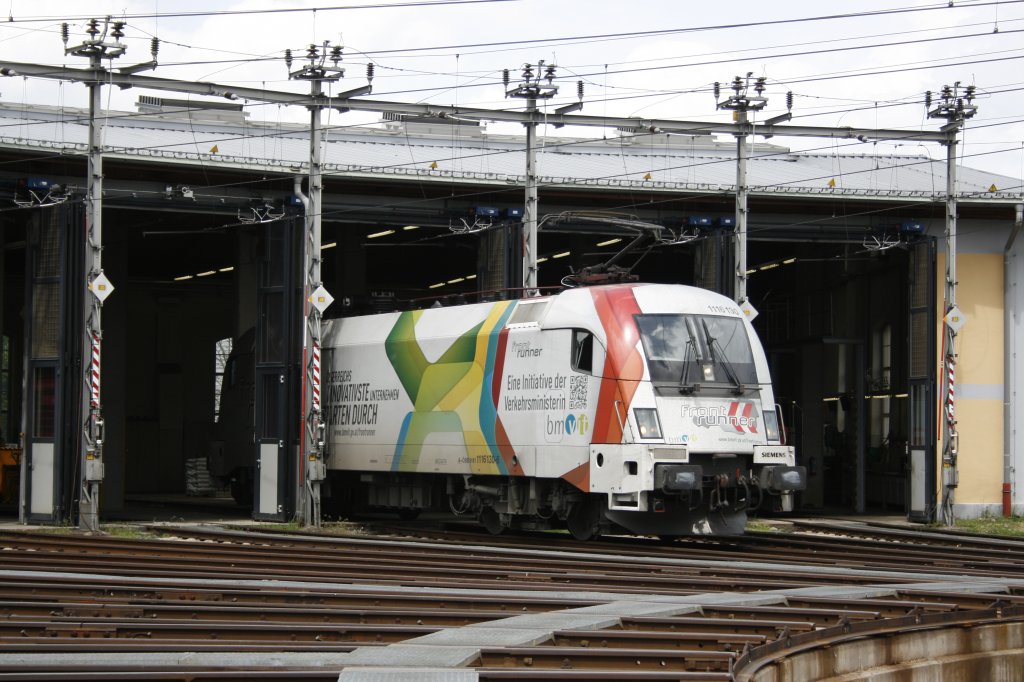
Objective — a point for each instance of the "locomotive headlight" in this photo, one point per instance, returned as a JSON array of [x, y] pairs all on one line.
[[709, 371], [647, 421]]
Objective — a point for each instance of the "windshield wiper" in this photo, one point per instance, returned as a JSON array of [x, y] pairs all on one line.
[[685, 387], [738, 387]]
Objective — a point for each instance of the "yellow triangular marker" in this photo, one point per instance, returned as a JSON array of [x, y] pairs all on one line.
[[647, 176], [832, 183], [993, 188], [214, 149], [433, 165]]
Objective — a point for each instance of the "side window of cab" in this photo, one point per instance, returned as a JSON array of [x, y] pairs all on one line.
[[582, 351]]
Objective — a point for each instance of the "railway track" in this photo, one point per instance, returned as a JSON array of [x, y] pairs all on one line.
[[212, 603]]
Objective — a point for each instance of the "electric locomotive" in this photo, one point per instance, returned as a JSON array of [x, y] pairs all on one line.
[[643, 407]]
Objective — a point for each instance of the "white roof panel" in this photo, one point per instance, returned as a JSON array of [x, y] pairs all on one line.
[[438, 152]]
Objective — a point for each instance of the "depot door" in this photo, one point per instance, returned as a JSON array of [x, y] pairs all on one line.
[[278, 345], [921, 431], [54, 378], [270, 500]]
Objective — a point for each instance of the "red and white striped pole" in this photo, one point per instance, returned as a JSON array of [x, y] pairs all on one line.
[[94, 371], [316, 377], [951, 392]]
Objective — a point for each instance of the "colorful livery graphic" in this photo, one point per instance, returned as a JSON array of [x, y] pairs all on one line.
[[641, 407]]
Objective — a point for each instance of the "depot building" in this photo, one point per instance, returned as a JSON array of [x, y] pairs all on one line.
[[202, 247]]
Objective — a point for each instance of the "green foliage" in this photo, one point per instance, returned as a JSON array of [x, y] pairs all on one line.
[[993, 525], [128, 532], [758, 526]]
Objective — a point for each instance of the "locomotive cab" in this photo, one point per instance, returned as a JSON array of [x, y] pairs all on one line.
[[700, 440]]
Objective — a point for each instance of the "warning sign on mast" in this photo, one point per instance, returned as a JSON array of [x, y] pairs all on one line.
[[955, 319], [101, 287], [320, 298]]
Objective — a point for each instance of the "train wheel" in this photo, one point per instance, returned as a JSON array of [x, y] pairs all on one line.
[[491, 521], [584, 520]]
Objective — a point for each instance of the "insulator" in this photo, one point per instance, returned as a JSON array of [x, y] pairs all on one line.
[[528, 72], [64, 32], [154, 47], [947, 92], [969, 92], [288, 58], [549, 73], [505, 77], [312, 53], [759, 85], [336, 54], [718, 89], [579, 90], [927, 99], [369, 72], [118, 31], [789, 100], [737, 84], [94, 28]]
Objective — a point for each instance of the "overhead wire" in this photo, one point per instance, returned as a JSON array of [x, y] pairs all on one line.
[[886, 12], [640, 34], [809, 18], [278, 10], [674, 93]]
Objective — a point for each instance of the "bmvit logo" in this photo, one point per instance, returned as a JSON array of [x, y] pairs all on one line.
[[576, 425], [572, 425], [737, 416]]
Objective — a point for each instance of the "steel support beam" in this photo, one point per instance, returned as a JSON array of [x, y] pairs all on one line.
[[314, 470], [92, 419], [125, 81], [950, 437], [740, 247], [530, 209]]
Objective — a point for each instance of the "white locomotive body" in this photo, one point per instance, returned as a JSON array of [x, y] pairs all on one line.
[[643, 406]]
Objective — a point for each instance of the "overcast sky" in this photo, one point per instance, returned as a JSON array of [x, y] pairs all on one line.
[[453, 54]]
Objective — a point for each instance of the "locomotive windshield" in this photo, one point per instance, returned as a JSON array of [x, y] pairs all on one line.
[[688, 352]]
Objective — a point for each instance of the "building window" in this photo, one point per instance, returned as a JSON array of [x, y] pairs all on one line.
[[44, 402], [5, 390], [881, 373], [221, 353], [881, 359]]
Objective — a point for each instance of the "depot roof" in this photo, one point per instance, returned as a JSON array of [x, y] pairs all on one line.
[[440, 151]]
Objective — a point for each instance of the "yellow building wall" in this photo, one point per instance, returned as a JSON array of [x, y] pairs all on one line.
[[979, 370]]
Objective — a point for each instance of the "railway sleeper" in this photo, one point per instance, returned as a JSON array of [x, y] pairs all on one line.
[[886, 608], [820, 617], [37, 645], [656, 639], [549, 675], [587, 658], [769, 628], [208, 630]]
